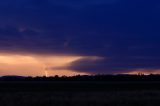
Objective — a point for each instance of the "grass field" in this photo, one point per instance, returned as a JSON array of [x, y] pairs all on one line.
[[79, 93]]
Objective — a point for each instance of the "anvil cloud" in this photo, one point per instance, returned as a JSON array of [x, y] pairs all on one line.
[[126, 34]]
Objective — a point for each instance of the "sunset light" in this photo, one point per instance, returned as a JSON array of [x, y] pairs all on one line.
[[35, 65]]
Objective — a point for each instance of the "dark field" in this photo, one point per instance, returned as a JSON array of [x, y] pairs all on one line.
[[76, 93]]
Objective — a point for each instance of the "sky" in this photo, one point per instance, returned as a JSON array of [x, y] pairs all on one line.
[[70, 37]]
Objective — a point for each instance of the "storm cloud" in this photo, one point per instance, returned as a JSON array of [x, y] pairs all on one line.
[[125, 33]]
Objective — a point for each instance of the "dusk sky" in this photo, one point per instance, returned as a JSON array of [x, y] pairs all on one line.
[[70, 37]]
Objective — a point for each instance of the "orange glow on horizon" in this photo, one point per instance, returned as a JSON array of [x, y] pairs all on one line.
[[43, 65], [143, 71], [35, 65]]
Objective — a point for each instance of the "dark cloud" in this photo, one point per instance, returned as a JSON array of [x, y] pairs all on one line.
[[115, 65], [124, 32], [112, 65]]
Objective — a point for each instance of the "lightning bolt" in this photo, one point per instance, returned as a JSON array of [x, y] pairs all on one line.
[[46, 73]]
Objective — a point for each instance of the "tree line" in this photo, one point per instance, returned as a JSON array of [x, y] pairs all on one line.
[[120, 77]]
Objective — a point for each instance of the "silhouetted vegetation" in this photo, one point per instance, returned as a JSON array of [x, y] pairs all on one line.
[[96, 90], [121, 77]]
